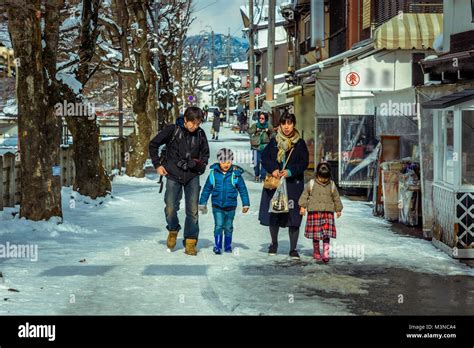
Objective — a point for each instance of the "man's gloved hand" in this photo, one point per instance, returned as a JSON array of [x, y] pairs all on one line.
[[183, 164], [188, 163], [202, 209], [192, 163]]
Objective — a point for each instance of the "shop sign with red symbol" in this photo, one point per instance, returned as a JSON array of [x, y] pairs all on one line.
[[352, 79]]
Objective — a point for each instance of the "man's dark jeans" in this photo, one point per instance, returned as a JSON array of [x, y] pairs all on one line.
[[173, 195]]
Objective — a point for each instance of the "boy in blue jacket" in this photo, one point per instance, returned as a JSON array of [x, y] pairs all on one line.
[[224, 182]]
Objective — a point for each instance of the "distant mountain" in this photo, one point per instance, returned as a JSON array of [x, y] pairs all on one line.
[[239, 47]]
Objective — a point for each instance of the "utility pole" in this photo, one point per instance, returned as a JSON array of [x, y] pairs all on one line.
[[212, 67], [251, 63], [120, 120], [228, 57], [271, 51], [157, 68]]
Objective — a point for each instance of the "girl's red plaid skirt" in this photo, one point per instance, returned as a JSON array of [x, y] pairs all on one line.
[[320, 225]]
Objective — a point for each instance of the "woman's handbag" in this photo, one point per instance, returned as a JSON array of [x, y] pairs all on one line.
[[279, 202], [270, 182]]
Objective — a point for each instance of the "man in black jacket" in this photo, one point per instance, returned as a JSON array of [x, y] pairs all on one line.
[[186, 157]]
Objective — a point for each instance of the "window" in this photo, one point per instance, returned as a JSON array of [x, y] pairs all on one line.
[[440, 146], [448, 138], [307, 28], [467, 147], [472, 10], [357, 143], [366, 9]]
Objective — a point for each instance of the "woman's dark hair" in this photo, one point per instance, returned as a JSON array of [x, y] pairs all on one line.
[[287, 117], [264, 114], [193, 113], [323, 170]]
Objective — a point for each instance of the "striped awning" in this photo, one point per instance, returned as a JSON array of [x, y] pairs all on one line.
[[409, 31]]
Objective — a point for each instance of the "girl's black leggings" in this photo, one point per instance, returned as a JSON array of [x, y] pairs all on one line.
[[292, 231]]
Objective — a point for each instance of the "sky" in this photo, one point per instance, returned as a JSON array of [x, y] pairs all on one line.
[[219, 14]]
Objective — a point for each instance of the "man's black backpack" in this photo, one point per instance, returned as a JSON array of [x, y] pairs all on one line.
[[163, 152]]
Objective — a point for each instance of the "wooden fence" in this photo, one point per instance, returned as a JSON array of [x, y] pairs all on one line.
[[10, 172]]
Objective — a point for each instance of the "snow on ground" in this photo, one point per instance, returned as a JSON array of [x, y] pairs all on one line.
[[109, 257]]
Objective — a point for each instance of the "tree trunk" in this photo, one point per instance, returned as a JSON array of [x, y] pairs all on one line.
[[38, 127], [91, 178], [145, 92], [166, 95]]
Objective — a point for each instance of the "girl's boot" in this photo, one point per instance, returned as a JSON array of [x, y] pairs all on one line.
[[326, 252], [316, 251]]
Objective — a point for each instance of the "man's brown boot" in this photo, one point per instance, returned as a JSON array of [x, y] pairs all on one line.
[[191, 247], [171, 241]]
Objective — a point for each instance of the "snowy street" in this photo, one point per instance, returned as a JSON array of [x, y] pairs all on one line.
[[109, 257]]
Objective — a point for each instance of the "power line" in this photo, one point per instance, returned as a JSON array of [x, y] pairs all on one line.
[[213, 3]]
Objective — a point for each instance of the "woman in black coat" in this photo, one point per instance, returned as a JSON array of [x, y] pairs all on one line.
[[274, 157], [216, 124]]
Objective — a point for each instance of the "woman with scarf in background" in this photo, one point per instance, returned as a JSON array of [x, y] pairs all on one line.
[[260, 134]]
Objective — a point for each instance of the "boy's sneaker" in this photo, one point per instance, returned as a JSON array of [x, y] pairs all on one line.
[[294, 255], [272, 249]]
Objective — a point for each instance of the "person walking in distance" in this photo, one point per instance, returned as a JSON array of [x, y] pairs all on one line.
[[260, 134], [216, 124]]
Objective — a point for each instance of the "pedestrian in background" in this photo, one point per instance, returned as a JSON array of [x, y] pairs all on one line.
[[216, 124], [260, 134]]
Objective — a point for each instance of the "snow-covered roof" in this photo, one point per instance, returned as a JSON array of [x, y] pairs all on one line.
[[287, 3], [10, 108], [260, 15], [70, 22], [240, 66], [280, 76], [234, 66], [206, 88], [261, 41]]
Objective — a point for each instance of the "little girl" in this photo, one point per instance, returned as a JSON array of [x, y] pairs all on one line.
[[320, 199]]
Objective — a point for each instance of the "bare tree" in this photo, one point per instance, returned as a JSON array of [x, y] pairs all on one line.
[[91, 178], [194, 63], [139, 30], [171, 26]]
